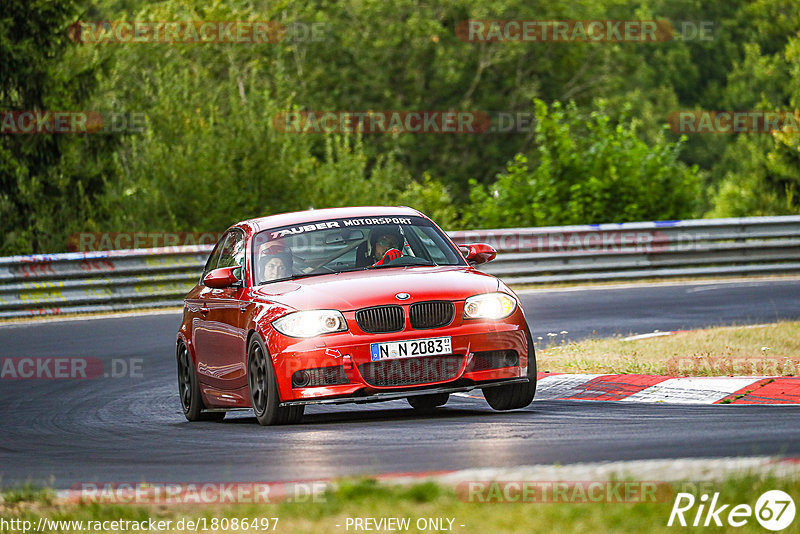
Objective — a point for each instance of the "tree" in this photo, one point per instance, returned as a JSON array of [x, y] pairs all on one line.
[[48, 182], [212, 154], [759, 173], [587, 170]]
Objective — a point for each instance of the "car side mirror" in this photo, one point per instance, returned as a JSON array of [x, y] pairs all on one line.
[[223, 277], [477, 253]]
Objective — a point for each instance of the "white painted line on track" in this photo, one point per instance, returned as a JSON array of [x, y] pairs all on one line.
[[657, 333], [560, 386], [703, 390]]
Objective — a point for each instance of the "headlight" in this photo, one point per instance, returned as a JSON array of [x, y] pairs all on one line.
[[489, 306], [310, 323]]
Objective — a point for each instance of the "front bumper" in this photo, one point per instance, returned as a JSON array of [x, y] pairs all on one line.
[[351, 351], [394, 395]]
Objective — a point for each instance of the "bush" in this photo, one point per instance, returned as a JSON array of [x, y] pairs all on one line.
[[587, 170]]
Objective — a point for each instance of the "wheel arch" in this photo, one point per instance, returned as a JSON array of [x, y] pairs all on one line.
[[182, 339]]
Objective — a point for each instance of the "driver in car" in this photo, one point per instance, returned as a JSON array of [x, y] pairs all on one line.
[[386, 247], [276, 261]]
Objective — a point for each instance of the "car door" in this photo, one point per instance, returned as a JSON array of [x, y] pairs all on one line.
[[219, 334], [197, 309]]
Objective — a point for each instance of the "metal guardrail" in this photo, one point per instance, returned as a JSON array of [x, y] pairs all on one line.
[[704, 247], [51, 284]]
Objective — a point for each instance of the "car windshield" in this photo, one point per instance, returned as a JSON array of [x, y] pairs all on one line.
[[349, 244]]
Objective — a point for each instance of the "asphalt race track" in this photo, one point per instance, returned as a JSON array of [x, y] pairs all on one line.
[[131, 429]]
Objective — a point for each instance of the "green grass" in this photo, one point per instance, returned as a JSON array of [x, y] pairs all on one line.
[[368, 498], [28, 493]]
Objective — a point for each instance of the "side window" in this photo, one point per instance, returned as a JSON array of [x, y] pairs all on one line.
[[213, 259], [232, 253], [429, 246]]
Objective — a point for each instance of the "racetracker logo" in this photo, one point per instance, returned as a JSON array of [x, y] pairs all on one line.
[[581, 491], [398, 371], [138, 31], [574, 491], [198, 492], [95, 241], [708, 365], [731, 122], [69, 368], [383, 122], [563, 31], [585, 241], [61, 122]]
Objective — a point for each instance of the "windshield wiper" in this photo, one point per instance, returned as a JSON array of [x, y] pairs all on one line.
[[290, 278], [416, 262]]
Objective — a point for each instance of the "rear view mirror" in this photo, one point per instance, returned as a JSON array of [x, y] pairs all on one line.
[[477, 253], [223, 277], [345, 236]]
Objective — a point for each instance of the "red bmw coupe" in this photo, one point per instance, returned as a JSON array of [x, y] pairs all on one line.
[[348, 305]]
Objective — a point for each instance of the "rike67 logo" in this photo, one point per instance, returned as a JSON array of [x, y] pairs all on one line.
[[774, 510]]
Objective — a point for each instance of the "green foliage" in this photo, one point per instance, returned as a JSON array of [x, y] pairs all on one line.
[[586, 170], [48, 183], [432, 198], [760, 173], [571, 512], [746, 189], [211, 154], [27, 493]]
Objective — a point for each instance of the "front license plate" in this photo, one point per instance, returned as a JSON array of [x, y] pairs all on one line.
[[411, 348]]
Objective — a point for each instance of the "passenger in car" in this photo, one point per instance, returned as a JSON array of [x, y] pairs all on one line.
[[277, 267], [275, 260]]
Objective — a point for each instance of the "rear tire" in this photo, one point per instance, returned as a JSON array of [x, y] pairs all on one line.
[[189, 389], [515, 396], [264, 388], [428, 403]]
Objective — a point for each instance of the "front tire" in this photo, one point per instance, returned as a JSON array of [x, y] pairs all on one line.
[[515, 396], [428, 403], [189, 389], [264, 388]]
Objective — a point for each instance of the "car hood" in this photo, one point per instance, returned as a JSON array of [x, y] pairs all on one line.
[[351, 291]]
